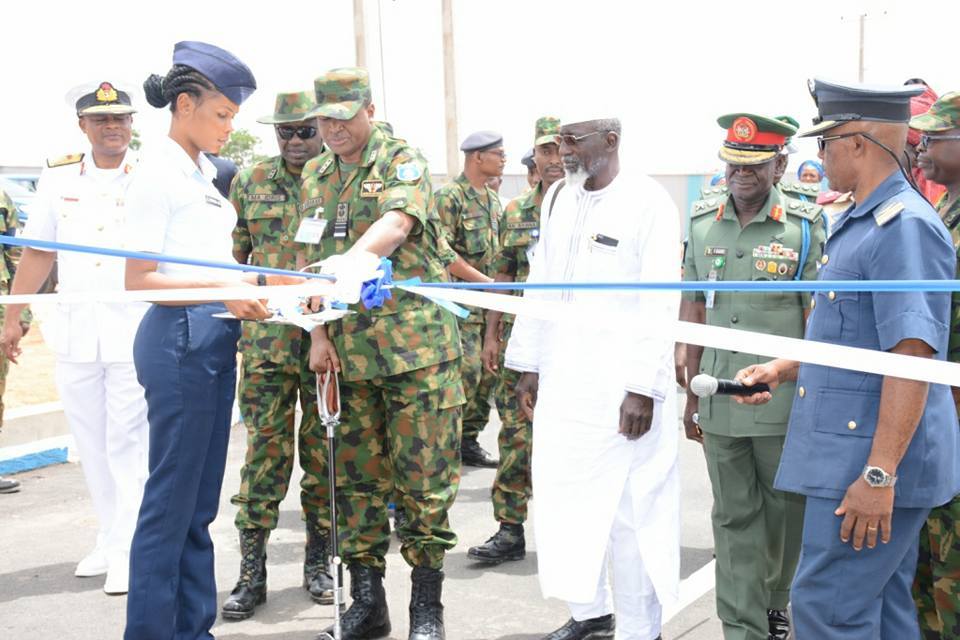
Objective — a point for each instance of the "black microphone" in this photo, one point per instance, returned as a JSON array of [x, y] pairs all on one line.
[[705, 386]]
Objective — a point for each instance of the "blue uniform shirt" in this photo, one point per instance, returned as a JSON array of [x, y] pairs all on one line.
[[834, 415]]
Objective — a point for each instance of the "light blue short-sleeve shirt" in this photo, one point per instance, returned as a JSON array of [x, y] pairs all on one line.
[[173, 208]]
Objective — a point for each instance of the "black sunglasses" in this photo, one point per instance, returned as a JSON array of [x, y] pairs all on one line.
[[926, 139], [823, 140], [304, 133]]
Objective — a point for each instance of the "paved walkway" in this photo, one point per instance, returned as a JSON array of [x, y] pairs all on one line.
[[49, 526]]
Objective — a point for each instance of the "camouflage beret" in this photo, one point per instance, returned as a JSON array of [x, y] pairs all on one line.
[[342, 92], [291, 107]]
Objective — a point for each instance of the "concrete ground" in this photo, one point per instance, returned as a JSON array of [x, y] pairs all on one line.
[[49, 525]]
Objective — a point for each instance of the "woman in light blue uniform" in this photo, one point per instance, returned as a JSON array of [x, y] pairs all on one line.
[[185, 357]]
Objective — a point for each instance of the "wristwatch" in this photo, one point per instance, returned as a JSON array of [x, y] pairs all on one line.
[[261, 279], [877, 477]]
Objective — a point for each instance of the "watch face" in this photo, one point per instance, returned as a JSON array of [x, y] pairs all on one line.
[[876, 477]]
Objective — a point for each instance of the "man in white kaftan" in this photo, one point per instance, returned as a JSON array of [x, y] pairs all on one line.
[[605, 429]]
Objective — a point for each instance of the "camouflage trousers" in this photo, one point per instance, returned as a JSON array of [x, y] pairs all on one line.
[[268, 399], [512, 484], [936, 588], [399, 436], [478, 383]]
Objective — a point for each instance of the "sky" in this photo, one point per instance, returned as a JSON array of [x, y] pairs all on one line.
[[667, 70]]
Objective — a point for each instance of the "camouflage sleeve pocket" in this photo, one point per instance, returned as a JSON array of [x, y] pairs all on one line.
[[406, 199]]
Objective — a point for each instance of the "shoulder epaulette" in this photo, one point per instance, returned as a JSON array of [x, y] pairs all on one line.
[[707, 205], [888, 212], [803, 189], [714, 191], [63, 161], [803, 209]]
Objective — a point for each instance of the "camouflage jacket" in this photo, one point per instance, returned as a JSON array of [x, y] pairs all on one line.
[[266, 196], [519, 232], [409, 332], [951, 218], [8, 227]]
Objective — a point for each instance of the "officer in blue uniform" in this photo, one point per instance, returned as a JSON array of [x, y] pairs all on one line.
[[872, 454], [184, 356]]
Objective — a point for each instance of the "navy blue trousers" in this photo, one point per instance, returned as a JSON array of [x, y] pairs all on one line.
[[842, 594], [186, 362]]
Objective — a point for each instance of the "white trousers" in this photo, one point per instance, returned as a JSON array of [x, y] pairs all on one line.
[[638, 611], [107, 414]]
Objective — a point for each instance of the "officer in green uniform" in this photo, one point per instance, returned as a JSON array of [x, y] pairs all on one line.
[[937, 584], [276, 371], [470, 212], [399, 364], [8, 226], [753, 232], [519, 232]]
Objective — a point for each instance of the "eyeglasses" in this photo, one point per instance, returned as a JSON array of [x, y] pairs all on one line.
[[572, 140], [823, 140], [500, 153], [925, 139], [304, 133]]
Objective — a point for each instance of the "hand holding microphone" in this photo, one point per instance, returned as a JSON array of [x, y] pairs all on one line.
[[705, 386]]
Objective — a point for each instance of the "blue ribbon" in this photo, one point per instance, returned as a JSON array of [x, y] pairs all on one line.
[[761, 286], [373, 293]]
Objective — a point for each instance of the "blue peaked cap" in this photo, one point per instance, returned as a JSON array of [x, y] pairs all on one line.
[[231, 77]]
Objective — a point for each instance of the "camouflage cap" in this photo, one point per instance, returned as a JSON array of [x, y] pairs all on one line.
[[943, 115], [291, 107], [753, 139], [342, 92], [547, 130]]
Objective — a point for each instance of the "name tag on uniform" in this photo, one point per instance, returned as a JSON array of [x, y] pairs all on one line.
[[343, 220], [310, 230], [212, 200], [712, 294], [265, 197], [371, 188]]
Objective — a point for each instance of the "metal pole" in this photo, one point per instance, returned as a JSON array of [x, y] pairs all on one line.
[[863, 20], [450, 90], [328, 404], [359, 34]]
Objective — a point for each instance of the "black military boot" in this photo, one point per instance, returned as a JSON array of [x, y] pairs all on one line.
[[316, 567], [506, 544], [779, 624], [367, 616], [251, 589], [473, 455], [426, 610], [600, 628]]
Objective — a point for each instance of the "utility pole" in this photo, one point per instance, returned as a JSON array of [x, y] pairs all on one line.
[[450, 90], [359, 34], [863, 21]]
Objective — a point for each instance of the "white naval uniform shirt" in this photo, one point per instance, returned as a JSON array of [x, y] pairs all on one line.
[[175, 209], [81, 204]]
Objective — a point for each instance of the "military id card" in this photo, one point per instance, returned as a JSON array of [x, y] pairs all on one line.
[[310, 230]]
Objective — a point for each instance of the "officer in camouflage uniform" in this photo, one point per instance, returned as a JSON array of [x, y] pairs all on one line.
[[8, 226], [753, 232], [276, 371], [519, 232], [470, 212], [937, 585], [399, 364]]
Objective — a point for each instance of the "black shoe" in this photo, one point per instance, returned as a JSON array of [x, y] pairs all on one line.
[[473, 455], [251, 588], [400, 521], [779, 624], [600, 628], [9, 486], [316, 566], [506, 544], [426, 609], [367, 616]]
